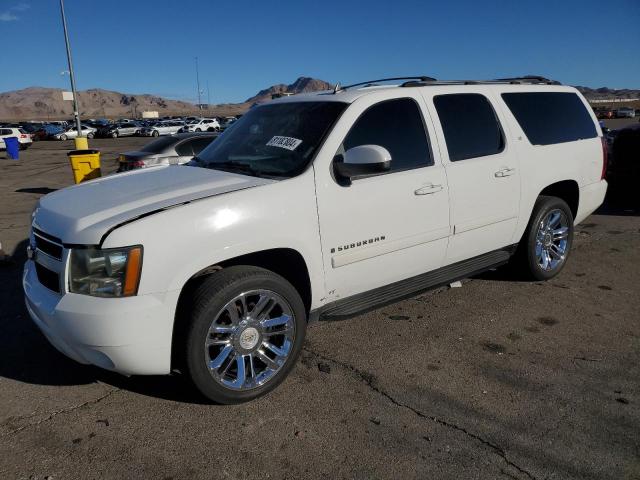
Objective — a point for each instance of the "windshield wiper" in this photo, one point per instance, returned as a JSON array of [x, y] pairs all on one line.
[[234, 165]]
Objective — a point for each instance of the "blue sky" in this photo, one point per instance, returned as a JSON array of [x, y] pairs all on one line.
[[146, 46]]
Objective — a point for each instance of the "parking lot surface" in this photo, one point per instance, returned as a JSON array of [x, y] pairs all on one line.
[[496, 379]]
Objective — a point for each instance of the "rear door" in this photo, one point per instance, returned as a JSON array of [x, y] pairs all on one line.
[[482, 171], [389, 227]]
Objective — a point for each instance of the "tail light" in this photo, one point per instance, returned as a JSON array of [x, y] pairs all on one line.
[[137, 164], [22, 135], [605, 158]]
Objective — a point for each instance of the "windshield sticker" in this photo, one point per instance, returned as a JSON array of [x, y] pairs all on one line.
[[284, 142]]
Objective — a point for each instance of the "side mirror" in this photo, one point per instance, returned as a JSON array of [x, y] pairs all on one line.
[[363, 161]]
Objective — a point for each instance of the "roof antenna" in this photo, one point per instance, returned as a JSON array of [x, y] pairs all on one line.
[[337, 88]]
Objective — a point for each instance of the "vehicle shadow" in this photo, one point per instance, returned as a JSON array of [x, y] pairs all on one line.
[[39, 190], [26, 355]]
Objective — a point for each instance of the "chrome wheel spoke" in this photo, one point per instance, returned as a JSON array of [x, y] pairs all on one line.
[[266, 360], [241, 373], [276, 322], [216, 341], [217, 362], [560, 233]]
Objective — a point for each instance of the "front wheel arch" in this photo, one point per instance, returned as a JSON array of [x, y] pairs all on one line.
[[286, 262]]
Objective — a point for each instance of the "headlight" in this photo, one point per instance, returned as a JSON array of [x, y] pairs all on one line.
[[113, 272]]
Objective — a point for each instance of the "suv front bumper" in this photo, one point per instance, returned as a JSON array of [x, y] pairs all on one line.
[[129, 335]]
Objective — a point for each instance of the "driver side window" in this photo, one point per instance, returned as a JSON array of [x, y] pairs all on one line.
[[396, 125]]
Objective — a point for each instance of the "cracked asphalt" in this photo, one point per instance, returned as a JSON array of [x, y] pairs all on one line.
[[496, 379]]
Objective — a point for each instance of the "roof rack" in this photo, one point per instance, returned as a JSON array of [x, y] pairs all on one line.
[[371, 83], [528, 79]]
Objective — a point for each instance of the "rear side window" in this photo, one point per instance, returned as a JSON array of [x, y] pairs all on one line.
[[200, 143], [551, 117], [397, 126], [185, 148], [471, 128]]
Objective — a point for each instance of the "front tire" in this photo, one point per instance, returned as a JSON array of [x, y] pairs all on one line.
[[90, 135], [114, 135], [247, 327], [155, 133], [546, 243], [63, 137]]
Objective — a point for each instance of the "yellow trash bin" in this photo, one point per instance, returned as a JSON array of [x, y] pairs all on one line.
[[85, 164]]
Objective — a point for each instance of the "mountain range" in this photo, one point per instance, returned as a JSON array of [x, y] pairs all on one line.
[[41, 103]]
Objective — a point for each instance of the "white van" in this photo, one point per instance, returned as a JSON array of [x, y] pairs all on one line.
[[315, 206]]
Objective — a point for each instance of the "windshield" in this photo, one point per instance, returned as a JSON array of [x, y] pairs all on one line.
[[277, 140]]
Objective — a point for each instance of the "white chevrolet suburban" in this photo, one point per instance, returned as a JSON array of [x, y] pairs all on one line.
[[314, 206]]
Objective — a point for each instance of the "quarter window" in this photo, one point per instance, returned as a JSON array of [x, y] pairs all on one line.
[[551, 117], [471, 128], [397, 126]]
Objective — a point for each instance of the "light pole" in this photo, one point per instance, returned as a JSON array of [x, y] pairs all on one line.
[[198, 84], [76, 110]]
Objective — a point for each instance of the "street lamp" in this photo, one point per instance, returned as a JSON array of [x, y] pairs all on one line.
[[76, 110]]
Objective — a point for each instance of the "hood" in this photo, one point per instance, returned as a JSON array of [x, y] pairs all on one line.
[[83, 213]]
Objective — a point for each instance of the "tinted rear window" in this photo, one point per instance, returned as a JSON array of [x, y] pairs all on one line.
[[551, 117], [470, 125]]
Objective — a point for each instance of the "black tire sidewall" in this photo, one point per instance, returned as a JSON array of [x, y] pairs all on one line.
[[542, 207], [209, 299]]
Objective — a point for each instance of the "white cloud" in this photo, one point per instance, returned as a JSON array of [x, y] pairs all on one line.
[[9, 16]]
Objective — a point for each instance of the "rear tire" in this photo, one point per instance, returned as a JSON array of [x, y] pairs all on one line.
[[89, 135], [114, 135], [240, 311], [63, 137], [155, 133], [546, 243]]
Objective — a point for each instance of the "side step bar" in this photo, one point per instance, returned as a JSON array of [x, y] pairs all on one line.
[[366, 301]]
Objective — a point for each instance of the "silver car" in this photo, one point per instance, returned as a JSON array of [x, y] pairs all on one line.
[[172, 149], [625, 112]]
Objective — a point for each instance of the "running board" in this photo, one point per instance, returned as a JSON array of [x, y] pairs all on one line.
[[378, 297]]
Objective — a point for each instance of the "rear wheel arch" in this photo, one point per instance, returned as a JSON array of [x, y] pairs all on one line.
[[286, 262], [567, 190]]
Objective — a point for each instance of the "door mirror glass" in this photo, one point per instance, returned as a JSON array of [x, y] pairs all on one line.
[[363, 161]]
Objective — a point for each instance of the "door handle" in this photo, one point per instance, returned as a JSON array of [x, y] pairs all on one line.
[[505, 172], [428, 189]]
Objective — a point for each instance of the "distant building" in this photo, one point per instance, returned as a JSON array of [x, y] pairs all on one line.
[[150, 114]]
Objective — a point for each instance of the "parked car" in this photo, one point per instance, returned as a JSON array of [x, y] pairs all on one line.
[[228, 122], [72, 132], [173, 149], [604, 112], [202, 125], [161, 128], [625, 112], [311, 207], [24, 139], [115, 130]]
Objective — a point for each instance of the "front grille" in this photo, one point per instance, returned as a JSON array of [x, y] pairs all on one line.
[[48, 244], [49, 279]]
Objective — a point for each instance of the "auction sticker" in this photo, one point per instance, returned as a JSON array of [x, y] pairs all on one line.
[[289, 143]]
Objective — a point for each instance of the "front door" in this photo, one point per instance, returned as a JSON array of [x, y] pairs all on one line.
[[384, 228], [482, 170]]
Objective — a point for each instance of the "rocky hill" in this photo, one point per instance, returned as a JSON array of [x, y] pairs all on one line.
[[40, 103], [301, 85]]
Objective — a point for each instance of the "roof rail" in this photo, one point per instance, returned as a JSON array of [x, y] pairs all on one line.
[[370, 83], [528, 79]]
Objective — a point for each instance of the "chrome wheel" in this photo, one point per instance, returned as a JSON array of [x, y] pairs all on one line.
[[552, 239], [250, 339]]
